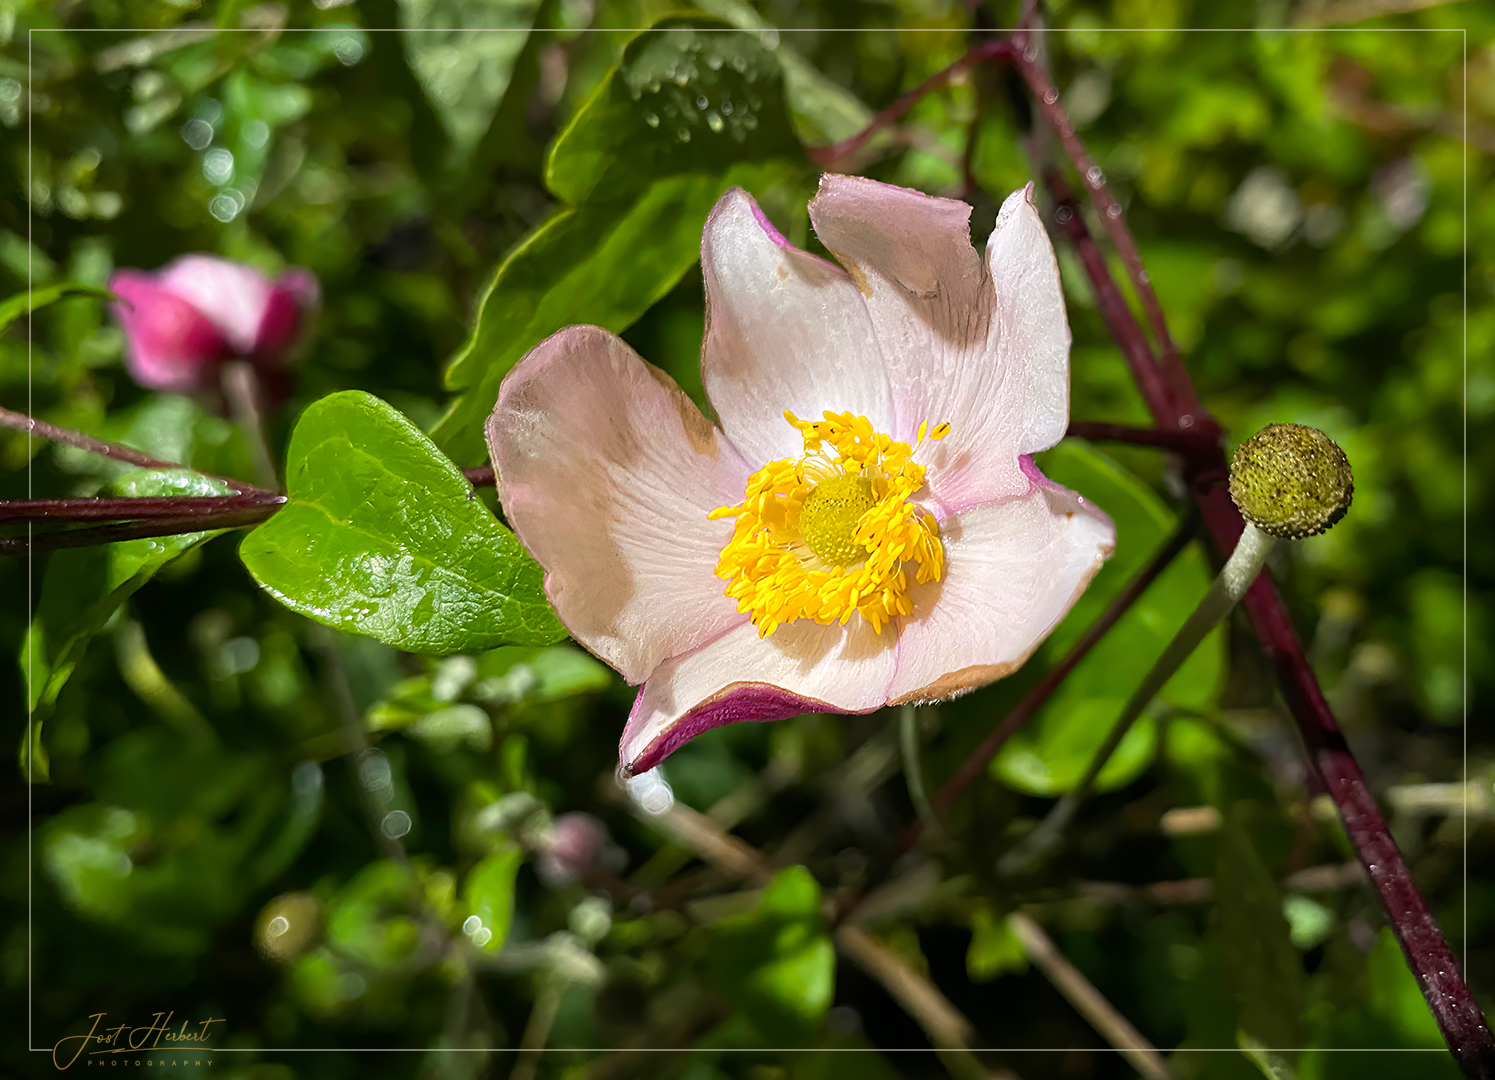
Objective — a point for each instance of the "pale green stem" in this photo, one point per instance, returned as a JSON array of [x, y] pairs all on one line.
[[241, 388], [908, 738], [1235, 578]]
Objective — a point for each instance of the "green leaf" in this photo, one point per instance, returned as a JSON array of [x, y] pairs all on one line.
[[83, 587], [687, 97], [639, 195], [488, 894], [1050, 754], [462, 53], [370, 919], [776, 963], [599, 264], [14, 307], [823, 110], [539, 675], [994, 950], [1263, 971], [384, 537]]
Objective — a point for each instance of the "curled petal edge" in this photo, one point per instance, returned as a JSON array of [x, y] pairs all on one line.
[[740, 702]]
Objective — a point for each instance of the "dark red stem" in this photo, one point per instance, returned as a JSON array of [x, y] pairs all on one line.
[[830, 157], [1024, 710], [43, 430], [1181, 441], [1427, 952], [150, 507], [1025, 57], [137, 530]]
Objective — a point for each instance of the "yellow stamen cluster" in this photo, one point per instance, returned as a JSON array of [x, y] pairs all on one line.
[[829, 535]]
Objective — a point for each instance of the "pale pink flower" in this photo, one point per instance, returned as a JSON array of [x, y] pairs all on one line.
[[186, 319], [610, 475]]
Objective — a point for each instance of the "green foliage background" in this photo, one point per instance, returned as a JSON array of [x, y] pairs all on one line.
[[1313, 206]]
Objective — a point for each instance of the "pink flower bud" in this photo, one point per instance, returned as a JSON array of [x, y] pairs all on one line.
[[577, 843], [186, 319]]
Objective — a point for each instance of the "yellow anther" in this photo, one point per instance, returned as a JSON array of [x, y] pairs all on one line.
[[828, 536]]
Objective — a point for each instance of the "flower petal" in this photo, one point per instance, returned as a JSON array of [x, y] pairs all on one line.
[[801, 667], [233, 296], [290, 303], [1013, 569], [991, 359], [784, 331], [607, 472], [171, 345]]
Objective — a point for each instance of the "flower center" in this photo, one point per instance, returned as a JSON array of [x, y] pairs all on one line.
[[833, 533], [829, 518]]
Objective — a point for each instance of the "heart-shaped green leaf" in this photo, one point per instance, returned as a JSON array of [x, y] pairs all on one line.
[[384, 537]]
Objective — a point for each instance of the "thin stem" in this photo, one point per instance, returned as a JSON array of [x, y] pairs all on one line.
[[1025, 57], [1185, 441], [1113, 306], [43, 430], [537, 1029], [1087, 1000], [144, 676], [976, 764], [908, 740], [835, 155], [1240, 570], [141, 509], [137, 530], [1453, 1007], [355, 743], [246, 401], [944, 1025]]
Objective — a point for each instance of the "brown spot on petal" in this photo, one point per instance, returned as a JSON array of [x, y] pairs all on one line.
[[856, 273], [698, 429], [959, 682]]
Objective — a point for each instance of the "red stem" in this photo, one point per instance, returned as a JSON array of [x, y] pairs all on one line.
[[1035, 698], [1427, 952], [43, 430], [1025, 57], [149, 507], [1182, 442], [137, 530], [830, 157]]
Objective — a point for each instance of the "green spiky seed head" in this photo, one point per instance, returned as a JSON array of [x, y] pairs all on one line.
[[1291, 481]]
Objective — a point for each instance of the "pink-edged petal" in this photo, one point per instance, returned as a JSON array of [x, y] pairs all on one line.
[[784, 331], [233, 296], [292, 300], [1013, 569], [607, 471], [1032, 326], [944, 327], [170, 344], [801, 667]]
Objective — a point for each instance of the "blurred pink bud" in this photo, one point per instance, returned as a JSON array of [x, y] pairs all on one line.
[[186, 319], [577, 843]]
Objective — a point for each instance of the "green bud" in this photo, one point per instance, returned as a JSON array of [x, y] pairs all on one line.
[[1291, 481]]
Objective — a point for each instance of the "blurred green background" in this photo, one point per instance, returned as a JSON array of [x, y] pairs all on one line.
[[1312, 201]]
